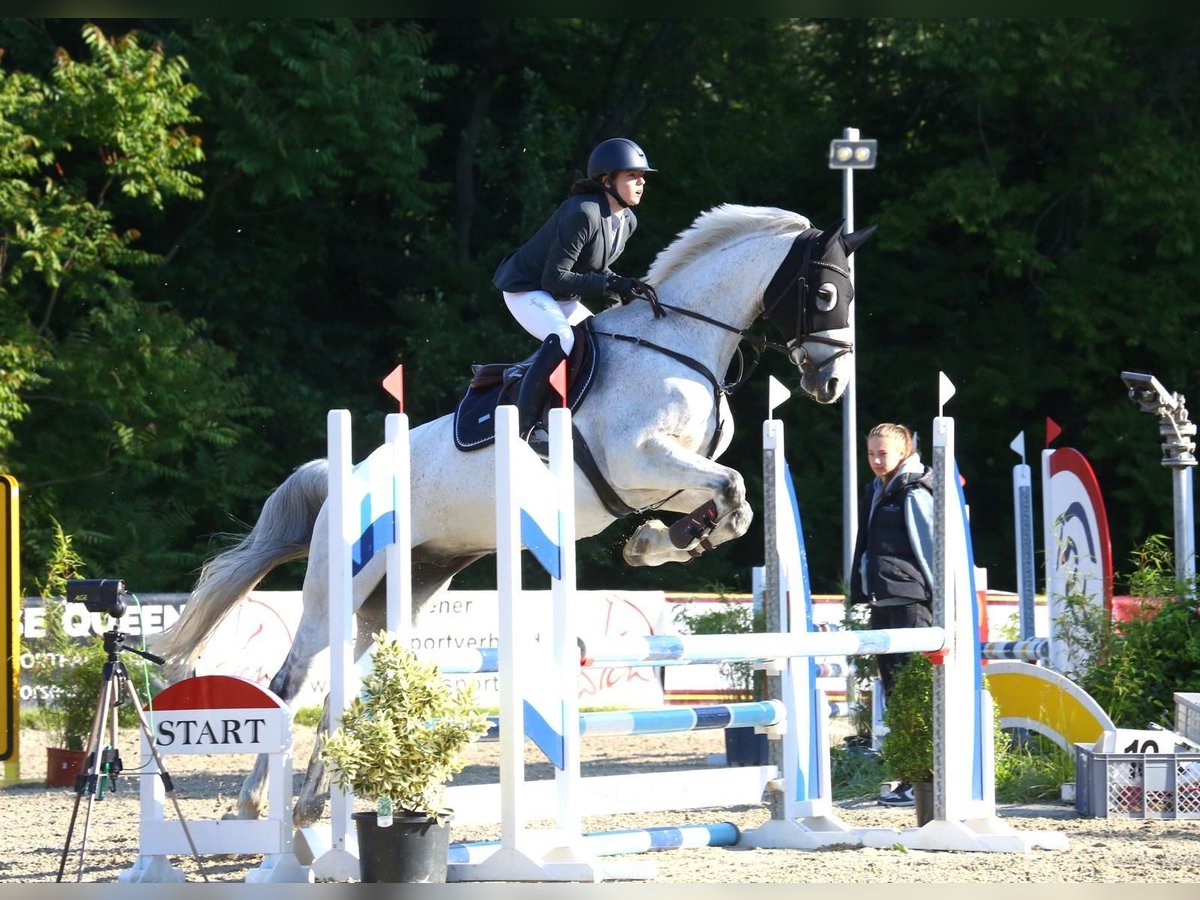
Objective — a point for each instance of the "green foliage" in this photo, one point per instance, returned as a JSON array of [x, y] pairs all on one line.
[[307, 716], [1083, 630], [70, 673], [856, 773], [730, 618], [362, 177], [403, 736], [1146, 659], [907, 748], [111, 403], [1032, 770]]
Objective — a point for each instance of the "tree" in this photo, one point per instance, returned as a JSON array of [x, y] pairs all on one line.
[[109, 394]]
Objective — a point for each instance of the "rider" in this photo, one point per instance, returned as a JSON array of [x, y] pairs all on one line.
[[547, 279]]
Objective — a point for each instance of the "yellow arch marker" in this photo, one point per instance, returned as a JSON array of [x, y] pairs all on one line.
[[1044, 701]]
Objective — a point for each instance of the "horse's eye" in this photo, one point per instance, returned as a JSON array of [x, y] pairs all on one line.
[[827, 297]]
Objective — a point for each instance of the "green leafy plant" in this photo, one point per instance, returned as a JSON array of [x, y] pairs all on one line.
[[855, 772], [1152, 655], [1034, 769], [69, 672], [907, 749], [402, 738], [730, 618]]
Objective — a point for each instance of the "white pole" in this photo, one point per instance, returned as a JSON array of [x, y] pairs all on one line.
[[340, 861], [1185, 540], [399, 551], [849, 409], [508, 586], [566, 650]]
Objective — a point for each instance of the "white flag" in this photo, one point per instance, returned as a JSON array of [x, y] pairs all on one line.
[[776, 394]]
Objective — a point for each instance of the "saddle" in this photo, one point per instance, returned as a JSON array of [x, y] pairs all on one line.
[[497, 384]]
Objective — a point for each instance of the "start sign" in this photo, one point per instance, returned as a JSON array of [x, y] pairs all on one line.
[[218, 714]]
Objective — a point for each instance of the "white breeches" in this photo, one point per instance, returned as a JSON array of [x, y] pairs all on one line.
[[541, 315]]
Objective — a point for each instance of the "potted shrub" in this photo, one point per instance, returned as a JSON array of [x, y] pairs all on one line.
[[71, 675], [907, 748], [743, 746], [66, 675], [400, 741]]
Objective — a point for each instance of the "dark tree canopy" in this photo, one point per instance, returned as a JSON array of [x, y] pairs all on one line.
[[213, 231]]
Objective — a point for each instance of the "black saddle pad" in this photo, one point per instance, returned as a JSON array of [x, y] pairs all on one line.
[[497, 384]]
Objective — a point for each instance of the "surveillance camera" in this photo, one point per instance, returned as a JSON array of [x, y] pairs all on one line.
[[1147, 392]]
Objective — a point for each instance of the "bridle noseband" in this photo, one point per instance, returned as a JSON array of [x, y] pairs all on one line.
[[804, 318]]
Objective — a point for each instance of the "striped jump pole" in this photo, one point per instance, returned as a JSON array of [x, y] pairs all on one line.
[[758, 647], [671, 719], [1032, 650], [486, 660], [621, 841]]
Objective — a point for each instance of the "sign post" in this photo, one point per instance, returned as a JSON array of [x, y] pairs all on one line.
[[10, 578]]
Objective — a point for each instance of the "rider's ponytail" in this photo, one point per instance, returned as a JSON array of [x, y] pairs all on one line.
[[584, 185]]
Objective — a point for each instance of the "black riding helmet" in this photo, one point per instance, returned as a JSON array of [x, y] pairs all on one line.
[[616, 155]]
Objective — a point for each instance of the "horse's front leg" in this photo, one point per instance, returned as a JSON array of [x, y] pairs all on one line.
[[372, 616], [714, 496]]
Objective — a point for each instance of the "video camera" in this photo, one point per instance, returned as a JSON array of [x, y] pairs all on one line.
[[102, 595]]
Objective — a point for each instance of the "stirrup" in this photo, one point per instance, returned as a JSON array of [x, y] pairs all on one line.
[[539, 441]]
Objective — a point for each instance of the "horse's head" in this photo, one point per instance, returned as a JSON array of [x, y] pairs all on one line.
[[809, 300]]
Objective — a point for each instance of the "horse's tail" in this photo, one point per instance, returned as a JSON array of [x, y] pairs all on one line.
[[282, 533]]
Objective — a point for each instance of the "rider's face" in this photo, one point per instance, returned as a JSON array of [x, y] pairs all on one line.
[[629, 185]]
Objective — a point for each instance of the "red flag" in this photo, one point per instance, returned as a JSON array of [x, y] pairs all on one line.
[[394, 385], [1052, 431], [558, 381]]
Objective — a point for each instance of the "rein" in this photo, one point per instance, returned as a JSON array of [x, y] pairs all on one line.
[[791, 276]]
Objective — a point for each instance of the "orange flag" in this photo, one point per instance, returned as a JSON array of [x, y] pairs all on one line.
[[558, 381]]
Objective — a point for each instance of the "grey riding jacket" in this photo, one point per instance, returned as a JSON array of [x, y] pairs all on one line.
[[570, 255]]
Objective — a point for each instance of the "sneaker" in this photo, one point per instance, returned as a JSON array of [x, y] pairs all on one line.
[[901, 796]]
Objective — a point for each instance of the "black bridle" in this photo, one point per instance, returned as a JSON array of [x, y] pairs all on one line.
[[801, 319], [806, 317]]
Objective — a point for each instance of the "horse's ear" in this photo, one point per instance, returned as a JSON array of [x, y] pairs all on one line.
[[833, 231], [855, 240]]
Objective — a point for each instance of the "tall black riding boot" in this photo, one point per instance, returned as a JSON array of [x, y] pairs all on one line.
[[535, 384]]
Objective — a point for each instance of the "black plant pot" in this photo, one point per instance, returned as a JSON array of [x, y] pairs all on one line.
[[923, 802], [412, 850], [743, 747]]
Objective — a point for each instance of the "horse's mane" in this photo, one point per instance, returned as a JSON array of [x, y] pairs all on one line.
[[716, 227]]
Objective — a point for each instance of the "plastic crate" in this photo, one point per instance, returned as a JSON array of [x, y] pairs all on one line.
[[1187, 716], [1137, 785]]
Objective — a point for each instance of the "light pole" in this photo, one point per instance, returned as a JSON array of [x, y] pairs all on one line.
[[1179, 455], [848, 154]]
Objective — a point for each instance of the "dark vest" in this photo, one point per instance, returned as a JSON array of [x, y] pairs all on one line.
[[892, 568]]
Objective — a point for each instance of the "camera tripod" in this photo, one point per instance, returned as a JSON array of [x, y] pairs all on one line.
[[102, 764]]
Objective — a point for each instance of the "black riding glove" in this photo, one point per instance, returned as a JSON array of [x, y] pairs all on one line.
[[628, 288], [621, 286]]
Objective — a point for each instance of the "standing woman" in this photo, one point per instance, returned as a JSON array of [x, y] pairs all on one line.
[[547, 280], [893, 553]]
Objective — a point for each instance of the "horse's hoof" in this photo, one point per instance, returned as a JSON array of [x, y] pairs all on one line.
[[308, 810], [650, 545], [639, 547]]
